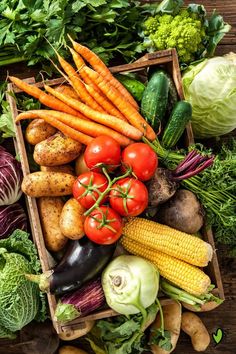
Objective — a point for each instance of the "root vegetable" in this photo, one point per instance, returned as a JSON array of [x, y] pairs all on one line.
[[72, 220], [47, 184], [62, 168], [172, 323], [194, 327], [68, 349], [182, 212], [56, 150], [80, 165], [37, 131], [50, 209], [160, 187]]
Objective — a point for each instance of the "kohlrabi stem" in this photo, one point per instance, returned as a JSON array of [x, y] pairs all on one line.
[[107, 190], [162, 318]]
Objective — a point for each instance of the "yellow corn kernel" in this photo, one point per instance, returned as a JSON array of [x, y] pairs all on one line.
[[165, 239], [184, 275]]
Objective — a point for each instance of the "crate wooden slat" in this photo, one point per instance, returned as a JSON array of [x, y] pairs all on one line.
[[169, 60]]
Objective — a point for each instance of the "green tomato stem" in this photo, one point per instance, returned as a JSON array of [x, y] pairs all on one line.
[[111, 182]]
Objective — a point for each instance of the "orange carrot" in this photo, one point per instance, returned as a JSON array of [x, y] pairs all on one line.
[[30, 89], [94, 91], [78, 85], [105, 103], [105, 119], [90, 128], [99, 66], [68, 90], [44, 98], [132, 115], [65, 129]]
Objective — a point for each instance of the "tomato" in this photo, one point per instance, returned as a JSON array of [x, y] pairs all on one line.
[[129, 197], [86, 196], [103, 226], [142, 159], [103, 150]]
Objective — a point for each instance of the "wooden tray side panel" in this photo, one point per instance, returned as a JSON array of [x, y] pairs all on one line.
[[167, 58]]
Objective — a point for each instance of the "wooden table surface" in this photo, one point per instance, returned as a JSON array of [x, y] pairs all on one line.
[[224, 316]]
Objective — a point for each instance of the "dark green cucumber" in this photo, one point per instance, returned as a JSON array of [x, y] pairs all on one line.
[[155, 98], [172, 97], [135, 87], [180, 116]]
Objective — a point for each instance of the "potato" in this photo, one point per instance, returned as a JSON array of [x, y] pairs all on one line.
[[38, 130], [47, 184], [56, 150], [84, 328], [182, 212], [194, 327], [208, 306], [62, 168], [80, 166], [172, 320], [72, 219], [68, 349], [50, 209]]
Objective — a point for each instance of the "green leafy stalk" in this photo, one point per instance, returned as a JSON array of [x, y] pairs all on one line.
[[160, 336], [180, 295]]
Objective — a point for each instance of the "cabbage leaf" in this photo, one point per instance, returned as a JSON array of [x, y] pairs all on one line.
[[20, 300], [210, 87]]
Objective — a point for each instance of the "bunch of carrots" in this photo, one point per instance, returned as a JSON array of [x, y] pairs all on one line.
[[93, 103]]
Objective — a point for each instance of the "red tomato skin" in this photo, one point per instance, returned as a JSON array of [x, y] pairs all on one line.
[[105, 150], [142, 159], [135, 205], [103, 236], [98, 179]]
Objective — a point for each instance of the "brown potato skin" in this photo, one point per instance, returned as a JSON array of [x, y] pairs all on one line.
[[72, 220], [56, 150], [172, 321], [62, 168], [47, 184], [194, 327], [68, 349], [37, 131], [50, 209], [80, 165]]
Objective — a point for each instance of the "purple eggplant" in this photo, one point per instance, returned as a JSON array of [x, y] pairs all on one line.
[[80, 302], [82, 261]]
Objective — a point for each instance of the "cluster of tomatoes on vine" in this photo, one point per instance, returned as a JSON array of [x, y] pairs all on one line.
[[113, 188]]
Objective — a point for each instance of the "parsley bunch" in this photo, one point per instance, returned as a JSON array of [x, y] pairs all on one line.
[[108, 27]]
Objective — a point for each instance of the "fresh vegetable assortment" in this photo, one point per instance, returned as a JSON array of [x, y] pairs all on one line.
[[119, 208]]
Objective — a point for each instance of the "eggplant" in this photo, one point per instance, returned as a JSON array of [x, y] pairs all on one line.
[[88, 298], [82, 261]]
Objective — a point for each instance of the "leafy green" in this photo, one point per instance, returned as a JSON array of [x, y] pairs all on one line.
[[6, 123], [109, 27], [20, 300], [122, 334]]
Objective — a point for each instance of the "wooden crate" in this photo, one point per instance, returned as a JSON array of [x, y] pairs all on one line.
[[169, 60]]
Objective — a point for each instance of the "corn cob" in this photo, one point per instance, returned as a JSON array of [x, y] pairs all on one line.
[[165, 239], [184, 275]]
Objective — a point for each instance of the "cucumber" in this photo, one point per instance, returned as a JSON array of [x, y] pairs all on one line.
[[135, 87], [155, 98], [172, 97], [180, 116]]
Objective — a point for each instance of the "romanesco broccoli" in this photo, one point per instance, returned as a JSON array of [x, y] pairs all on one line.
[[185, 32]]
